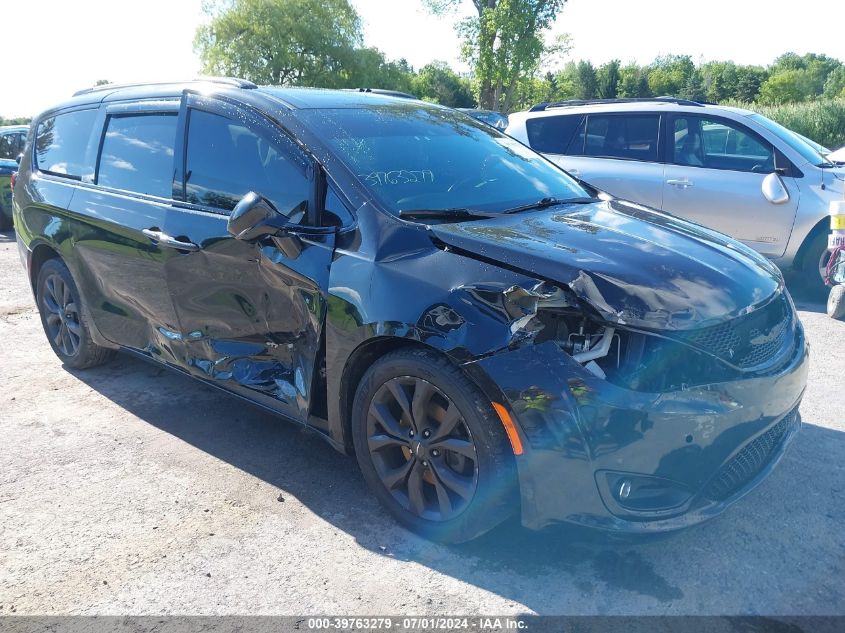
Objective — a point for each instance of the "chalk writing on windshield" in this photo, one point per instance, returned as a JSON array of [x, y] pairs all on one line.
[[398, 177]]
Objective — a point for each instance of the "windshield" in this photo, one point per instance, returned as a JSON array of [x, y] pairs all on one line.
[[794, 140], [821, 149], [418, 156]]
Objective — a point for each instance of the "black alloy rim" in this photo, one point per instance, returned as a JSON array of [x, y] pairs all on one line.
[[62, 316], [422, 449]]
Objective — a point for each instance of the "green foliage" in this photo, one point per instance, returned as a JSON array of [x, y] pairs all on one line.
[[586, 81], [439, 83], [281, 42], [368, 68], [21, 120], [835, 84], [634, 82], [790, 78], [785, 86], [669, 74], [822, 121], [694, 89], [608, 80], [504, 44]]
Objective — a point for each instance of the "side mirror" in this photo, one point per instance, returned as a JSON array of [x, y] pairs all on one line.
[[255, 217], [774, 190]]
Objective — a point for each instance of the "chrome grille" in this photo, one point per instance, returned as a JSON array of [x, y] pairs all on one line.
[[750, 460]]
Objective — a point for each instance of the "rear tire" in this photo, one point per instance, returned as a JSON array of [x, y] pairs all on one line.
[[5, 220], [815, 258], [66, 319], [836, 302], [431, 448]]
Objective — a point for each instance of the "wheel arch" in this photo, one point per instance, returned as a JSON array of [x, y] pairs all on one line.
[[41, 253], [373, 349], [361, 358], [820, 227]]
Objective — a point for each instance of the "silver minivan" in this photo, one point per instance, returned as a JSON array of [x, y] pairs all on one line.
[[729, 169]]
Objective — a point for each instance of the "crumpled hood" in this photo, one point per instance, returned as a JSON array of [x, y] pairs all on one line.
[[635, 266]]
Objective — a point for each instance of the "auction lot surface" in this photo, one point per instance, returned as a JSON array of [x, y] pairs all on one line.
[[130, 489]]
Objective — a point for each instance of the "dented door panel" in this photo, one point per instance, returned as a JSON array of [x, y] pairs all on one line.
[[249, 315]]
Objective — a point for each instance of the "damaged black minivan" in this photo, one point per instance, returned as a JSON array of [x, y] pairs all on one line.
[[486, 334]]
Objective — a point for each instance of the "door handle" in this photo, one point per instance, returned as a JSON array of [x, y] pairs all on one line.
[[163, 239], [683, 184]]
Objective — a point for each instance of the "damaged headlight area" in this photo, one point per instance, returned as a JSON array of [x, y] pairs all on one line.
[[666, 361]]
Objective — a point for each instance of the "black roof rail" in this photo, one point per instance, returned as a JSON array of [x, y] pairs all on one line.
[[228, 81], [383, 91], [579, 102]]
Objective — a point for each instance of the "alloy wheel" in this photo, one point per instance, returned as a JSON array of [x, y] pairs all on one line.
[[62, 318], [422, 449]]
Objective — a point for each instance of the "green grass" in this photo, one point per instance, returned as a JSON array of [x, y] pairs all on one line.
[[823, 120]]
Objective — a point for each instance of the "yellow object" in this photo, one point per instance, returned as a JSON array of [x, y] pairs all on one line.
[[510, 428], [837, 223]]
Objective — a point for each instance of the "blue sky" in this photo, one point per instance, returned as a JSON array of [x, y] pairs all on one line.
[[71, 44]]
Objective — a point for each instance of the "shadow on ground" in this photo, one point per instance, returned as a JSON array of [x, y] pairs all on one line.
[[760, 551]]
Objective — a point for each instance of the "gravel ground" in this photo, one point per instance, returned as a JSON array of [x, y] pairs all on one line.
[[131, 490]]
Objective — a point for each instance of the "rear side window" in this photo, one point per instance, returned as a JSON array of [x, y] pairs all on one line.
[[137, 154], [61, 144], [554, 134], [226, 160], [621, 136]]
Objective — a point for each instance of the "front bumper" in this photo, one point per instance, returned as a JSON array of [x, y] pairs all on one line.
[[689, 454]]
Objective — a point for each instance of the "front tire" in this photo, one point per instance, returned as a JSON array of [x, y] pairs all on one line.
[[431, 447], [65, 318], [813, 266]]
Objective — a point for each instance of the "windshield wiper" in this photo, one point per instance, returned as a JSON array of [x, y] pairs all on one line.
[[544, 203], [445, 214]]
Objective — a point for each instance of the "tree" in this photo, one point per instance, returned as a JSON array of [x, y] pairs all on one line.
[[368, 68], [749, 80], [693, 89], [668, 75], [102, 82], [504, 43], [808, 73], [586, 81], [784, 87], [835, 84], [439, 83], [608, 80], [280, 42], [718, 80], [633, 82]]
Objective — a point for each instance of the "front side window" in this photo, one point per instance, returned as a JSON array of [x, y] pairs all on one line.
[[554, 134], [414, 156], [137, 154], [631, 137], [61, 144], [226, 160], [719, 144]]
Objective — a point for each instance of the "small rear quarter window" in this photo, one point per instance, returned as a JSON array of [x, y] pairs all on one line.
[[61, 144]]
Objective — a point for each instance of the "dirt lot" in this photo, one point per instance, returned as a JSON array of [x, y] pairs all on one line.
[[128, 489]]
